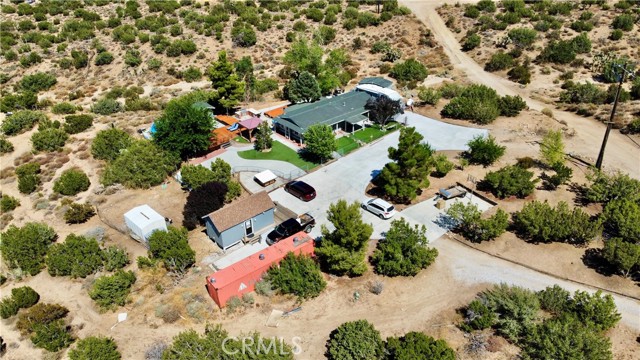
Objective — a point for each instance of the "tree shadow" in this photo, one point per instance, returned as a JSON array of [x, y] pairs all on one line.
[[581, 194], [445, 221], [593, 259], [306, 155]]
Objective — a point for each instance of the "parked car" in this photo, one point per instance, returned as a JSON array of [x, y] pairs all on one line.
[[289, 227], [379, 207], [301, 190]]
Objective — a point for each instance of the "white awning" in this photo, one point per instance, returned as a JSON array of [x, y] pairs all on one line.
[[265, 176], [378, 90]]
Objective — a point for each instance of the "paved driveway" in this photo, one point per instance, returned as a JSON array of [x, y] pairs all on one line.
[[348, 177]]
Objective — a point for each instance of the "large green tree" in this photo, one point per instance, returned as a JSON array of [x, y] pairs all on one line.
[[263, 137], [302, 88], [172, 247], [621, 218], [355, 340], [404, 251], [26, 247], [402, 178], [484, 150], [108, 144], [624, 256], [304, 57], [320, 142], [297, 275], [183, 129], [382, 109], [342, 251], [229, 89]]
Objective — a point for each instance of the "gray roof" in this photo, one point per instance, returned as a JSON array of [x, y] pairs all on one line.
[[202, 105], [382, 82], [325, 111]]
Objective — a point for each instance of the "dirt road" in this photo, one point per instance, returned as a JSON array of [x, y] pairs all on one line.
[[621, 153]]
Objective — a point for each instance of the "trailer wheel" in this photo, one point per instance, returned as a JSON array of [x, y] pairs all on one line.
[[308, 228]]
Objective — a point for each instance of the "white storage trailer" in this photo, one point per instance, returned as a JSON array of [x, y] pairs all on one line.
[[142, 221]]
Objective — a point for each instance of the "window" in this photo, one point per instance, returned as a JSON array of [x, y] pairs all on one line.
[[248, 227]]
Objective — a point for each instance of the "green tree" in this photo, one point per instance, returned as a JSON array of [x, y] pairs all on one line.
[[49, 139], [409, 70], [621, 218], [510, 181], [596, 311], [141, 165], [5, 146], [552, 148], [499, 61], [95, 348], [471, 224], [297, 275], [183, 129], [52, 336], [74, 124], [229, 90], [71, 182], [263, 137], [624, 256], [404, 250], [26, 247], [605, 187], [442, 165], [108, 144], [382, 109], [115, 258], [511, 105], [194, 176], [342, 251], [39, 314], [109, 291], [429, 96], [24, 297], [203, 200], [79, 213], [304, 57], [320, 142], [78, 256], [355, 340], [302, 88], [410, 166], [172, 247], [471, 42], [8, 203], [516, 309], [416, 345], [523, 37], [28, 177], [37, 82], [477, 103]]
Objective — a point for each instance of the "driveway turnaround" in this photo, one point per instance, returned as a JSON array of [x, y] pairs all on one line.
[[348, 177], [237, 163]]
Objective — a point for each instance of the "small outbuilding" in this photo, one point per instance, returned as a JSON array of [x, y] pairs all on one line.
[[241, 220], [142, 221], [241, 277]]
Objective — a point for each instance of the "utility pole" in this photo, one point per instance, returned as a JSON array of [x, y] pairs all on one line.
[[613, 114]]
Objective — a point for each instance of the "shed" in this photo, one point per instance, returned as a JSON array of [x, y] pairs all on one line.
[[265, 178], [142, 221], [241, 220], [241, 277]]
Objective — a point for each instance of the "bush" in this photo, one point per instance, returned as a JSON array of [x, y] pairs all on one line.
[[516, 308], [587, 93], [297, 275], [37, 82], [559, 52], [126, 34], [49, 139], [562, 175], [109, 291], [71, 182], [471, 225], [132, 58], [471, 42], [539, 222], [355, 340], [22, 121], [75, 124], [478, 316], [471, 12], [95, 348], [523, 37], [192, 74], [39, 314], [106, 107], [28, 178], [616, 35], [623, 256], [78, 256], [5, 146], [499, 61], [631, 128], [172, 247], [520, 74], [108, 144], [8, 308], [442, 165], [80, 59], [8, 203], [476, 102], [429, 95], [79, 213], [621, 218], [404, 251], [605, 188], [409, 70], [141, 165], [24, 297], [511, 105], [243, 35], [623, 22], [53, 336], [26, 247], [416, 345], [484, 151], [115, 258], [510, 181], [63, 108], [104, 58]]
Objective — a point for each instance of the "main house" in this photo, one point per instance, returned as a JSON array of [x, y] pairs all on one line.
[[344, 112], [241, 220]]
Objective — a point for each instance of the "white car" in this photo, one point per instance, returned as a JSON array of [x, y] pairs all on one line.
[[379, 207]]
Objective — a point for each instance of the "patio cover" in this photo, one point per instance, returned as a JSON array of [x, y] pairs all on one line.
[[251, 123]]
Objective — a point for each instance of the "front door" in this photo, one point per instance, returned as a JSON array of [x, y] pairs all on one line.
[[248, 227]]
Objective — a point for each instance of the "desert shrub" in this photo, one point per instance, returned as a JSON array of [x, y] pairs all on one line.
[[418, 345], [80, 59], [21, 121], [539, 222], [79, 213], [471, 224], [243, 35], [559, 52], [5, 146], [204, 200], [516, 309], [106, 107], [115, 258], [621, 218], [8, 308], [623, 22], [28, 178], [523, 37], [18, 101], [632, 128], [587, 93], [154, 64], [499, 61], [355, 340], [442, 165], [581, 44], [52, 337], [71, 182], [616, 35], [139, 104], [450, 90], [108, 144], [478, 316], [49, 139], [172, 247], [126, 34], [264, 288], [605, 188], [510, 181], [30, 59], [78, 256], [325, 34], [39, 314], [404, 251], [95, 348], [581, 25], [477, 103], [409, 70], [472, 12], [520, 74], [471, 42], [26, 247], [63, 108], [24, 297], [8, 203], [623, 256], [429, 95], [104, 58], [192, 74], [110, 291], [484, 151], [562, 175], [75, 124], [132, 58], [38, 82], [141, 165], [511, 105], [554, 299], [297, 275]]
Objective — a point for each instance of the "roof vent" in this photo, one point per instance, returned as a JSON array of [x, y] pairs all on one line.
[[344, 103], [261, 257]]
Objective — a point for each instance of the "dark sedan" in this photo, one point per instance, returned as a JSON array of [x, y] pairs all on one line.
[[301, 190]]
